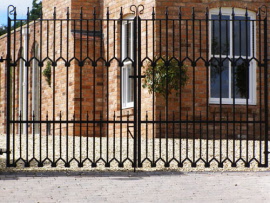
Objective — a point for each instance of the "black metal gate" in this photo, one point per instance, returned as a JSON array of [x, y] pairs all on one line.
[[138, 90]]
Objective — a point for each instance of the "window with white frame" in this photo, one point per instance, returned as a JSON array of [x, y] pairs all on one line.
[[232, 48], [127, 57]]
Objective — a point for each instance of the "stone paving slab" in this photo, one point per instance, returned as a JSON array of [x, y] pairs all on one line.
[[159, 186]]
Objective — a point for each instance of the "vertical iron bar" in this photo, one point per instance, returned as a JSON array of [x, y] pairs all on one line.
[[54, 64], [81, 88], [13, 80], [194, 84], [233, 70], [8, 89], [94, 88], [27, 86], [207, 86], [67, 92], [260, 82], [40, 88], [180, 81], [153, 95], [121, 89], [167, 86], [247, 83], [220, 82], [135, 64], [266, 89]]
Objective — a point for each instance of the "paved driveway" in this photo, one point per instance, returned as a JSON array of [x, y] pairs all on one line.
[[85, 186]]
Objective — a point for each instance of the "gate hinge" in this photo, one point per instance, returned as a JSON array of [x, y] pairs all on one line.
[[267, 152], [2, 151]]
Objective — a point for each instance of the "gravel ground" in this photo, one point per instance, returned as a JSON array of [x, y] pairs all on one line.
[[55, 148]]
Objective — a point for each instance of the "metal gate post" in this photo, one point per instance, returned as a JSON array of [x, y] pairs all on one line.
[[137, 10], [135, 63], [11, 10], [139, 102]]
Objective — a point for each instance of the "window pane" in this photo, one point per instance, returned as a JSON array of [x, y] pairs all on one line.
[[242, 42], [124, 84], [129, 41], [219, 76], [220, 41], [241, 74], [130, 88]]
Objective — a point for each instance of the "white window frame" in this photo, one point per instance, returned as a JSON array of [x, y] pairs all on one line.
[[252, 66], [127, 61]]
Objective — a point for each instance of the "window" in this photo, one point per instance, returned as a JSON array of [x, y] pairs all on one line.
[[127, 58], [232, 47]]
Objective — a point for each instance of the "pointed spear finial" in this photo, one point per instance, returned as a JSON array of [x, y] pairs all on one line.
[[94, 13], [166, 12], [107, 13], [54, 13], [207, 12], [28, 13], [67, 12], [81, 13], [121, 13], [41, 14]]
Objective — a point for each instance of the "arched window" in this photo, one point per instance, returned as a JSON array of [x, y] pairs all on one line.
[[232, 47], [127, 58]]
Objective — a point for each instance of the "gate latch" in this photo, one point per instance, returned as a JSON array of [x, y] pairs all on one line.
[[2, 151], [1, 59]]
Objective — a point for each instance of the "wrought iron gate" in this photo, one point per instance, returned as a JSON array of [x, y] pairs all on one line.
[[138, 90]]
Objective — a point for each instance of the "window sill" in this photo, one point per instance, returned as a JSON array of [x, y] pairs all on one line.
[[243, 102]]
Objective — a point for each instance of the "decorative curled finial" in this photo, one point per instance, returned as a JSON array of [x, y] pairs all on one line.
[[137, 10], [263, 11], [11, 10]]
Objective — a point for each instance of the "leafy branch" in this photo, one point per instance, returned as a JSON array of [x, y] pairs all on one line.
[[47, 73], [164, 77]]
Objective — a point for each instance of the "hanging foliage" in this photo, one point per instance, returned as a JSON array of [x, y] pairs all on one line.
[[47, 73], [164, 77]]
